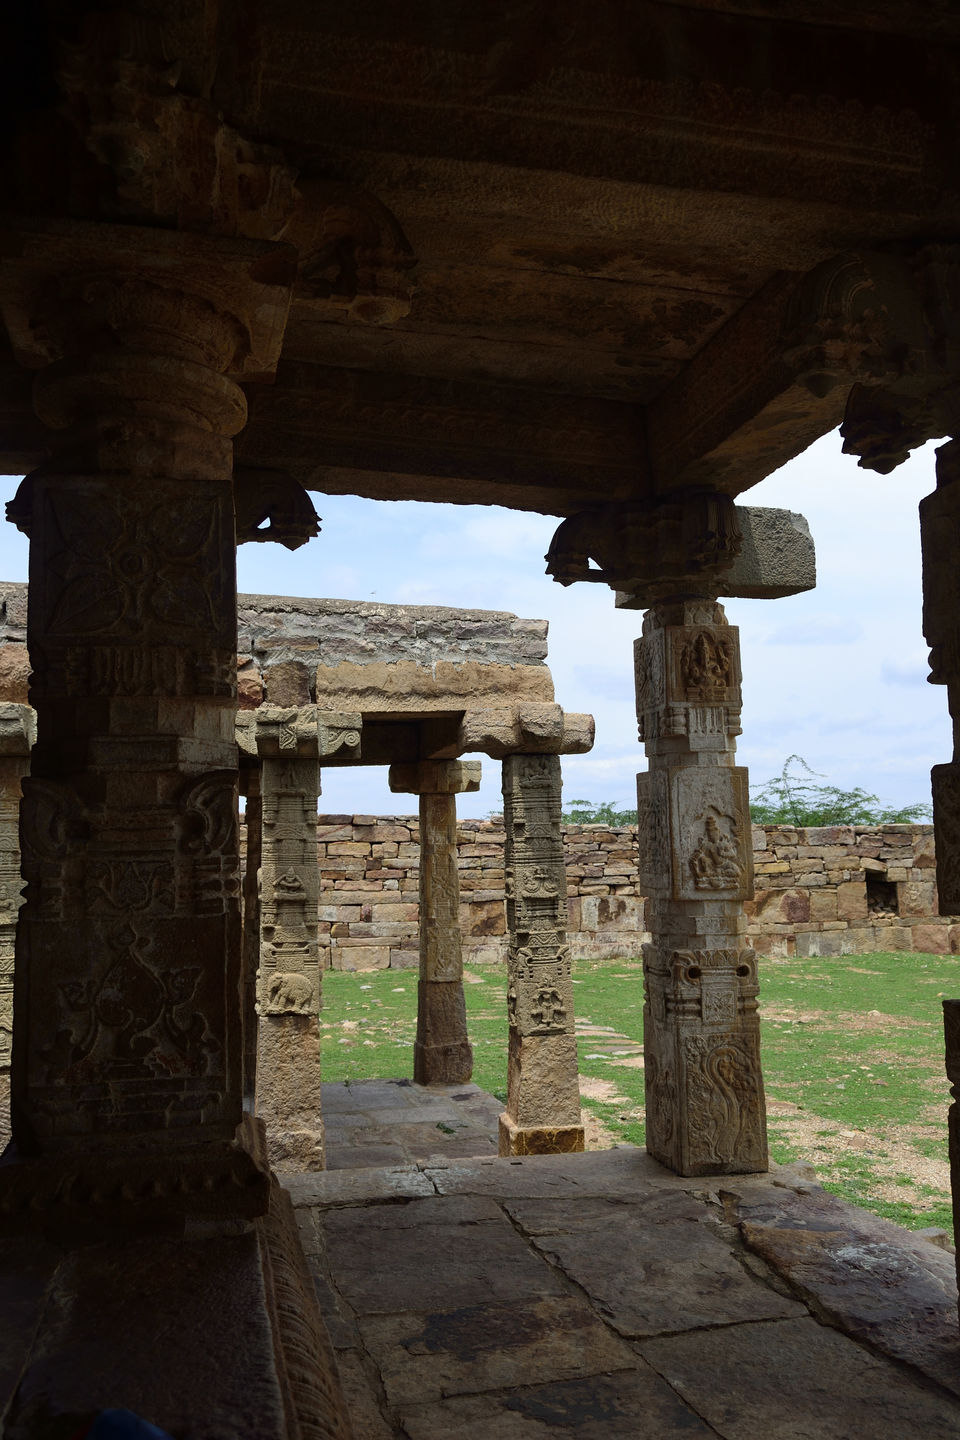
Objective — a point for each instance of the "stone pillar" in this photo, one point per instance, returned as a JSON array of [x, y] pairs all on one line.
[[250, 947], [17, 733], [705, 1112], [940, 537], [543, 1093], [127, 1051], [288, 1095], [951, 1029], [442, 1054]]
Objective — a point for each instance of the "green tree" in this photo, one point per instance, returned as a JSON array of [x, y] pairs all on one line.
[[586, 812], [794, 797]]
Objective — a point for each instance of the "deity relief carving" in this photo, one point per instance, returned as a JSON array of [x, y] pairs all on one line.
[[548, 1011], [715, 864], [705, 667]]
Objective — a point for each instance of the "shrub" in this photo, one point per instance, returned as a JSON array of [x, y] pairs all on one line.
[[795, 798]]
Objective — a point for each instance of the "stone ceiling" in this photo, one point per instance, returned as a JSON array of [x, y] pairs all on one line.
[[551, 249]]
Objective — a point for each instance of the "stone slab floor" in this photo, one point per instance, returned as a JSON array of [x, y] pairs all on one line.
[[597, 1296]]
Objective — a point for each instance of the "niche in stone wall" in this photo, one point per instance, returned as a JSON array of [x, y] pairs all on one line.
[[881, 894]]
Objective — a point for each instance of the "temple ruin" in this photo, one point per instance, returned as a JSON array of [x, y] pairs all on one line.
[[612, 264]]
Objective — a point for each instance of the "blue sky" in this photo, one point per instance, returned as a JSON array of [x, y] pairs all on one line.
[[836, 675]]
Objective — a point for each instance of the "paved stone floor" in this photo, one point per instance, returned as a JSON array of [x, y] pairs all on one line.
[[598, 1296]]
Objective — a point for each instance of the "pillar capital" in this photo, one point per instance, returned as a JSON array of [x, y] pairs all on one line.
[[286, 731], [139, 362], [435, 777]]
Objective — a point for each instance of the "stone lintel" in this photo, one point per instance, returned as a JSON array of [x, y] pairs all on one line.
[[539, 1139], [777, 558], [18, 729], [436, 777]]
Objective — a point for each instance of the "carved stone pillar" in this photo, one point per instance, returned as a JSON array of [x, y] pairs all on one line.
[[250, 945], [704, 1091], [17, 732], [442, 1054], [543, 1093], [951, 1030], [127, 1053], [288, 1095]]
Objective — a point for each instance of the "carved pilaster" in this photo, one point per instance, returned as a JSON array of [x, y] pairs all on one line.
[[288, 1096], [442, 1054], [705, 1107], [543, 1095], [251, 929]]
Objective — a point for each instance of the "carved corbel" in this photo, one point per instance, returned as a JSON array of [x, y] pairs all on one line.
[[339, 734], [271, 505], [889, 324], [155, 153], [652, 546], [286, 731], [355, 259]]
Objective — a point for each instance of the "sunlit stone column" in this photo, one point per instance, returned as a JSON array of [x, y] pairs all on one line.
[[288, 1094], [672, 555], [543, 1092], [705, 1109], [442, 1054]]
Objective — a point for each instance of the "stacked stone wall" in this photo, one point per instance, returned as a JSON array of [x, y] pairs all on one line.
[[813, 895], [847, 889]]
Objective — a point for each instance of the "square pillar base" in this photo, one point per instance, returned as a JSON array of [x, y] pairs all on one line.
[[102, 1192], [539, 1139]]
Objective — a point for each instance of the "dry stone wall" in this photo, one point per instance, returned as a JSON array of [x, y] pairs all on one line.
[[827, 891]]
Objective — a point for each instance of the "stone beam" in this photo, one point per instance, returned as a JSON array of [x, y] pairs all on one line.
[[442, 1054], [384, 435]]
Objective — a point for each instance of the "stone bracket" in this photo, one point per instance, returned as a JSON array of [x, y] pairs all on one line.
[[287, 730], [339, 733], [776, 558], [435, 777]]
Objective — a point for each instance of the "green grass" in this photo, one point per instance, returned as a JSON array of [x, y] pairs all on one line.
[[853, 1044]]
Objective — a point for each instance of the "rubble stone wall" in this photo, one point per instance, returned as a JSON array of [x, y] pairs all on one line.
[[828, 891]]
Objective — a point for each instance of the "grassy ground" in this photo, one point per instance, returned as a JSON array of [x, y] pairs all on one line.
[[853, 1061]]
